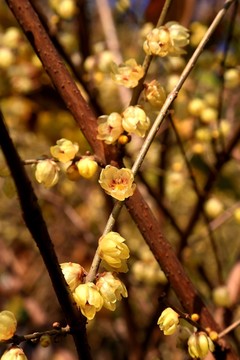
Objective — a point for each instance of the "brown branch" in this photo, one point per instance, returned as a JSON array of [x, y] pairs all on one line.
[[34, 221]]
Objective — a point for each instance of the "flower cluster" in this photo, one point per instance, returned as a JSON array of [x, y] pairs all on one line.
[[119, 183], [166, 40], [133, 120], [199, 343], [127, 74], [64, 158]]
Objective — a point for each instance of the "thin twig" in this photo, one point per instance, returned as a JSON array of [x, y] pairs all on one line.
[[229, 328]]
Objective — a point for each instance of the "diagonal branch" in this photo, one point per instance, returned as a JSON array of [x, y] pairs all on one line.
[[34, 221]]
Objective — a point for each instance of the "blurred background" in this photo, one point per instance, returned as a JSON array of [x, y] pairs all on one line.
[[90, 35]]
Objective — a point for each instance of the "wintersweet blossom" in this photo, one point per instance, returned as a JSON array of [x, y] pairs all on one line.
[[166, 40], [87, 167], [109, 127], [47, 172], [119, 183], [135, 121], [88, 299], [113, 252], [168, 321], [155, 94], [65, 150], [127, 74], [73, 273], [112, 290], [8, 325], [199, 344], [14, 353]]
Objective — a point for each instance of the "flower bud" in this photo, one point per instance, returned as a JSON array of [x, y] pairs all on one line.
[[113, 252], [72, 172], [199, 344], [73, 273], [168, 321], [109, 127], [47, 173], [8, 325], [232, 78], [128, 73], [87, 167], [213, 207], [221, 296], [119, 183], [134, 120], [45, 340], [14, 353], [112, 290], [88, 299], [65, 150]]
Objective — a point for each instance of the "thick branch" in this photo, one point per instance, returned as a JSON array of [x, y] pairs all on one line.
[[34, 220]]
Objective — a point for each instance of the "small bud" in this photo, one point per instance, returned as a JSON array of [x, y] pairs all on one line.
[[113, 252], [8, 325], [45, 340], [119, 183], [221, 296], [232, 78], [87, 167], [213, 207], [47, 173], [199, 344], [14, 353], [208, 115], [168, 321], [196, 106], [195, 317], [88, 299], [213, 335], [73, 173], [124, 139]]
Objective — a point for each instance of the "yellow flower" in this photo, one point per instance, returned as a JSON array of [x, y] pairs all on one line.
[[166, 40], [113, 252], [119, 183], [73, 273], [168, 321], [8, 325], [47, 172], [134, 120], [88, 299], [87, 167], [14, 353], [128, 73], [65, 150], [157, 42], [199, 344], [112, 290], [155, 94], [109, 127]]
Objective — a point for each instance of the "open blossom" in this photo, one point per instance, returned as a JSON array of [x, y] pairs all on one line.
[[8, 325], [113, 252], [65, 150], [135, 121], [109, 127], [166, 40], [73, 273], [155, 94], [112, 290], [128, 73], [119, 183], [168, 321], [199, 344], [88, 299], [47, 172], [14, 353]]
